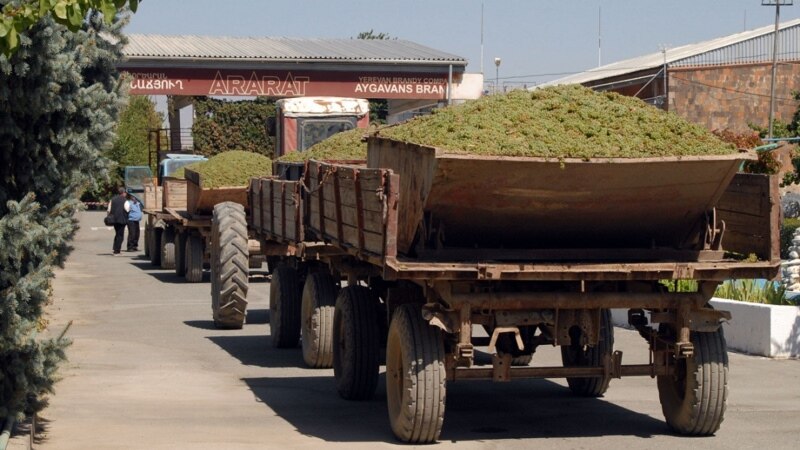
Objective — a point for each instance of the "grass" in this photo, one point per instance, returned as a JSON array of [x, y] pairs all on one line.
[[754, 291]]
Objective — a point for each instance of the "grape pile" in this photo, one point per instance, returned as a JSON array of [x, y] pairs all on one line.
[[559, 122], [231, 168], [344, 146]]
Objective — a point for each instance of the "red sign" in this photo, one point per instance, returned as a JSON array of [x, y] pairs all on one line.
[[271, 83]]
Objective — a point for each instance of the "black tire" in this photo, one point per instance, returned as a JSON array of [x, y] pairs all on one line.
[[415, 377], [229, 271], [317, 311], [180, 253], [576, 356], [148, 232], [694, 399], [194, 259], [284, 307], [155, 247], [168, 248], [356, 341]]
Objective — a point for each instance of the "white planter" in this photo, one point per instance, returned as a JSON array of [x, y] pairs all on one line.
[[756, 329], [766, 330]]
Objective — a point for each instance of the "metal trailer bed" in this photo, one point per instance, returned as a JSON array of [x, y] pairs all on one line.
[[535, 251]]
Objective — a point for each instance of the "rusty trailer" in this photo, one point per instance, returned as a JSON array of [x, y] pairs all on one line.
[[179, 234], [535, 251]]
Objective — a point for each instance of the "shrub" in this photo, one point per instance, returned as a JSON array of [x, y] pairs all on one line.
[[222, 125]]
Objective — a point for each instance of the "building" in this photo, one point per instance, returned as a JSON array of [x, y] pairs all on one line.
[[723, 83]]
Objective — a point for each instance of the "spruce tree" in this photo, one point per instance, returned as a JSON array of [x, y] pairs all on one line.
[[60, 95]]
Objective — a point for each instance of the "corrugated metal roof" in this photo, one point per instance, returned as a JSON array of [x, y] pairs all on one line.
[[152, 46], [746, 47]]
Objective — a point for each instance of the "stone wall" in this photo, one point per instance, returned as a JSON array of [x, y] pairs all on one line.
[[731, 97]]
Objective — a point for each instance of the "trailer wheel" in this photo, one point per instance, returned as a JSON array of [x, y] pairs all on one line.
[[356, 341], [693, 400], [284, 307], [180, 253], [415, 377], [318, 304], [229, 272], [148, 237], [168, 248], [194, 259], [155, 246], [577, 356]]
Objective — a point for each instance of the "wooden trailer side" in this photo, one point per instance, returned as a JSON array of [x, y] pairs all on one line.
[[750, 208], [348, 207], [280, 210]]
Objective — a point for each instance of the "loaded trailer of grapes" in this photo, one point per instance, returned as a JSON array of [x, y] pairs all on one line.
[[531, 215]]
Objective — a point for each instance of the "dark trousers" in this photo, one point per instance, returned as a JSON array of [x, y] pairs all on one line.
[[133, 235], [119, 236]]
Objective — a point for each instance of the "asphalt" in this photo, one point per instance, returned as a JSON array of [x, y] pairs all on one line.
[[147, 369]]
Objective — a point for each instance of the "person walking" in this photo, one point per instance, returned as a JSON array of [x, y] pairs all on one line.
[[134, 216], [117, 207]]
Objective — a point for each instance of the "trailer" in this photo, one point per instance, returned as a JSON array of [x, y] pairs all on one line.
[[178, 235], [418, 245]]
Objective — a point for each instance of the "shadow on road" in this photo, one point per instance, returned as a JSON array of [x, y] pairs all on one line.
[[254, 317], [258, 351], [476, 411], [201, 324], [257, 317]]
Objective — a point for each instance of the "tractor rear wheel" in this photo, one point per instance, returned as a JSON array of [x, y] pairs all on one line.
[[229, 271]]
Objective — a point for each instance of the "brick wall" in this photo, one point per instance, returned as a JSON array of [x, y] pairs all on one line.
[[733, 96]]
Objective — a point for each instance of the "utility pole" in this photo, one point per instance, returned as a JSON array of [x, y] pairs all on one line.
[[497, 62], [777, 4], [599, 36]]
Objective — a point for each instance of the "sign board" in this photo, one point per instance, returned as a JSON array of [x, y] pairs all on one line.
[[272, 83]]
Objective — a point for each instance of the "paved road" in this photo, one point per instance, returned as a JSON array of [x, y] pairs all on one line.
[[148, 370]]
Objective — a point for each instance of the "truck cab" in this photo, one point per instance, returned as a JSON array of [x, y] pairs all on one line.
[[174, 161], [301, 122], [135, 177]]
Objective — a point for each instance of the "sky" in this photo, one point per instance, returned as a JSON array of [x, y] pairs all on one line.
[[536, 40]]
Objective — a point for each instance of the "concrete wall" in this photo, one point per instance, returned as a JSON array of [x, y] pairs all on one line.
[[730, 97]]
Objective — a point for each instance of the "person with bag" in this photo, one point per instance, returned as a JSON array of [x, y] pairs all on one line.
[[118, 215], [134, 216]]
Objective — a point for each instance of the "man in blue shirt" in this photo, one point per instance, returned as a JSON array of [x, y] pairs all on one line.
[[118, 210], [134, 209]]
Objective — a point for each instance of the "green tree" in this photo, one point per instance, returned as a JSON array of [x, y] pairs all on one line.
[[787, 130], [372, 35], [222, 125], [60, 96], [133, 132], [18, 16]]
